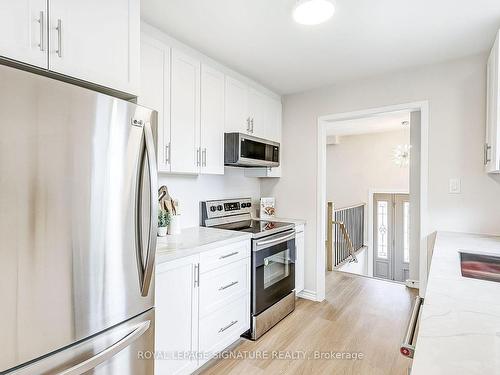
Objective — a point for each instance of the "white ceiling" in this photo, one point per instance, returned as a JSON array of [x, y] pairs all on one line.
[[375, 124], [258, 38]]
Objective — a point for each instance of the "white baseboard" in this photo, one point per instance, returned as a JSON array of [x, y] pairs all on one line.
[[412, 284], [307, 294]]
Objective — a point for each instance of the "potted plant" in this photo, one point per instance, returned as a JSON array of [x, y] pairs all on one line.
[[163, 221]]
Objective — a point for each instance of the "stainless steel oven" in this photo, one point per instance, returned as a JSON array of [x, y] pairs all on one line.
[[243, 150], [273, 269], [273, 260]]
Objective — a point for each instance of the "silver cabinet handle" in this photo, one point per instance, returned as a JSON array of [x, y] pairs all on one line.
[[407, 347], [228, 326], [228, 285], [107, 353], [59, 38], [204, 157], [487, 149], [197, 275], [228, 255], [168, 153], [251, 123], [41, 21], [198, 162], [248, 124]]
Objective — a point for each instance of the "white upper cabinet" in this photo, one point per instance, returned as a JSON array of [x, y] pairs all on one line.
[[155, 93], [257, 111], [185, 114], [23, 26], [96, 41], [492, 143], [196, 104], [212, 121], [237, 116]]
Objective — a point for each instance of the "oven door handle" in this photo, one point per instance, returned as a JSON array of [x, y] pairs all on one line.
[[273, 241]]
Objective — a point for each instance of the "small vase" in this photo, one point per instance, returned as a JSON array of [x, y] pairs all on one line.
[[162, 231], [174, 227]]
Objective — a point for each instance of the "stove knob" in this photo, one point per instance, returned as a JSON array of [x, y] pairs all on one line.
[[243, 205], [213, 208], [219, 207], [249, 204]]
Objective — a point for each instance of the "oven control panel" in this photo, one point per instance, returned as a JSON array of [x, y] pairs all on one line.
[[226, 207]]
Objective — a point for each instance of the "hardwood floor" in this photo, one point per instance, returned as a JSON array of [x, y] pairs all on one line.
[[359, 315]]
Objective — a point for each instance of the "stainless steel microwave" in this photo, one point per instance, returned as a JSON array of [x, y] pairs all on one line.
[[241, 150]]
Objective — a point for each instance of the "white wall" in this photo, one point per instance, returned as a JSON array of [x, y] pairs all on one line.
[[360, 267], [363, 162], [456, 94], [190, 190]]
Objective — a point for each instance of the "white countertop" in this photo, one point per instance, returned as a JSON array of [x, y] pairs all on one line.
[[193, 241], [459, 329]]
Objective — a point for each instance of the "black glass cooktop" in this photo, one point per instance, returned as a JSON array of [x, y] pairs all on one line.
[[256, 226]]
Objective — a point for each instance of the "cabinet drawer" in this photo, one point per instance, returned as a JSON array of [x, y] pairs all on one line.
[[224, 255], [223, 327], [221, 285]]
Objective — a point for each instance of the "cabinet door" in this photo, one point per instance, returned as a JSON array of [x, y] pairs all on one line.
[[185, 114], [155, 93], [237, 116], [176, 323], [273, 123], [212, 121], [96, 41], [492, 151], [257, 110], [23, 26], [299, 263]]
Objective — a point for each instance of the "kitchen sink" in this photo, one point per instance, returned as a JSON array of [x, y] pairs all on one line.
[[480, 266]]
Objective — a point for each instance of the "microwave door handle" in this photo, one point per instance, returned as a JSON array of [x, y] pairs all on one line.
[[153, 218], [107, 353]]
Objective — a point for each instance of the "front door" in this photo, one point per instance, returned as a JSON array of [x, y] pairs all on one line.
[[391, 234]]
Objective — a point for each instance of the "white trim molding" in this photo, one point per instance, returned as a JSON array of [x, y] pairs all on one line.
[[323, 123], [308, 294]]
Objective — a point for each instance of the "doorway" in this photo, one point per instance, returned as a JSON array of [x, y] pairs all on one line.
[[419, 182], [391, 240]]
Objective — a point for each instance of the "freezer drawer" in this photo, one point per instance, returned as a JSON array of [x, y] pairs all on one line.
[[125, 349]]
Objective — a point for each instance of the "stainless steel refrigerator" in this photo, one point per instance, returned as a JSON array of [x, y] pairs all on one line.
[[78, 222]]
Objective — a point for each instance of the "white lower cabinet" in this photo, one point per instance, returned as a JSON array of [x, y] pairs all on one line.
[[299, 258], [202, 306], [223, 327], [176, 323]]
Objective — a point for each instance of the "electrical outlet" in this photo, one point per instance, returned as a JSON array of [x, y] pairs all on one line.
[[455, 187]]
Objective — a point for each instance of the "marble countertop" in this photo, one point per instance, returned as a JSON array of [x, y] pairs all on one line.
[[459, 330], [193, 241]]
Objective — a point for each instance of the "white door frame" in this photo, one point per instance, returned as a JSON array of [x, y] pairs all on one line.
[[371, 192], [326, 121]]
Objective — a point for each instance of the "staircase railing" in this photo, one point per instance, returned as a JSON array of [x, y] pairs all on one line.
[[345, 234]]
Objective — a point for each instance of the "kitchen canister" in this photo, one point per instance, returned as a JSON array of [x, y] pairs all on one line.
[[174, 227]]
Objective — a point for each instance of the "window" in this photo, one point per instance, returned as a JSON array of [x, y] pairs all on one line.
[[382, 240], [406, 232]]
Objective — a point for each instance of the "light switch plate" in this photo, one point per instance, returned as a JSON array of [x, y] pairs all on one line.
[[455, 186]]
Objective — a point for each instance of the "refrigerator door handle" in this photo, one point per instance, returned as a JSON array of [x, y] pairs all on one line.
[[153, 219], [109, 352]]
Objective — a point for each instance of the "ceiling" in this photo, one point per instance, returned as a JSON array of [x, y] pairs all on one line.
[[376, 124], [258, 38]]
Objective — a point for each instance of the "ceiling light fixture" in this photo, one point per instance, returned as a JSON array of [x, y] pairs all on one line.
[[313, 12]]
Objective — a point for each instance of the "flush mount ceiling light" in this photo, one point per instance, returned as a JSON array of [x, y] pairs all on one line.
[[313, 12]]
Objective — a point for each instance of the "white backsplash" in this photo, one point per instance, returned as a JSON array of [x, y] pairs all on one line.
[[191, 190]]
